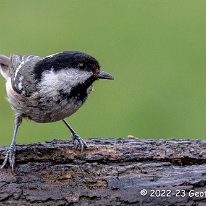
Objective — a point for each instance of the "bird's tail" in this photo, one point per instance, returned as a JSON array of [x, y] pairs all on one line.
[[4, 66]]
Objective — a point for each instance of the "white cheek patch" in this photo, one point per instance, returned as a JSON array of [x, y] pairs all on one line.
[[65, 79]]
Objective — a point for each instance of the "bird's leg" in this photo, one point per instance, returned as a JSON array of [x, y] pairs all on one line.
[[78, 141], [11, 152]]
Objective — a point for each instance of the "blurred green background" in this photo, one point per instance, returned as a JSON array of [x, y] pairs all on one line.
[[156, 50]]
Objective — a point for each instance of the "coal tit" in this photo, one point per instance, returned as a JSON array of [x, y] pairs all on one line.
[[48, 89]]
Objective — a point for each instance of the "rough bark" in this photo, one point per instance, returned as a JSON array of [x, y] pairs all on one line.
[[109, 172]]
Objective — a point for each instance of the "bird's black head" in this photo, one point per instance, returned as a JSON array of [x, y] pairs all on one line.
[[70, 60], [78, 60], [74, 72]]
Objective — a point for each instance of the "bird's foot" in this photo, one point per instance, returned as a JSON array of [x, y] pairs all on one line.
[[10, 157], [79, 142]]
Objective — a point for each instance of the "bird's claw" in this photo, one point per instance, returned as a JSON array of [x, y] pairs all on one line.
[[10, 157], [79, 142]]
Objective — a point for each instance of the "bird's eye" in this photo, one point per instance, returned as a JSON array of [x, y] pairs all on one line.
[[82, 66]]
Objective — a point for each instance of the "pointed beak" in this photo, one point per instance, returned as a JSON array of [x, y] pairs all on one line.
[[104, 75]]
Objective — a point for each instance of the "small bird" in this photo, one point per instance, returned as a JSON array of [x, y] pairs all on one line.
[[48, 89]]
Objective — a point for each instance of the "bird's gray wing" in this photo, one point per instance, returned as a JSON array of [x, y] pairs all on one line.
[[21, 73]]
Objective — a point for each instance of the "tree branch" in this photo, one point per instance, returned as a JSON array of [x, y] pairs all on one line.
[[109, 172]]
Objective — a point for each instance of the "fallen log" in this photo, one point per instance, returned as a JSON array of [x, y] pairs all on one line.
[[110, 172]]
